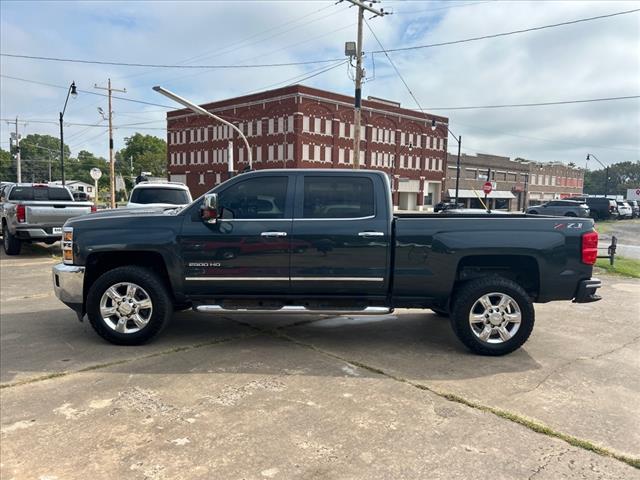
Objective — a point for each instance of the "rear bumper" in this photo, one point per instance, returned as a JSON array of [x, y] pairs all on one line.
[[586, 292], [37, 234]]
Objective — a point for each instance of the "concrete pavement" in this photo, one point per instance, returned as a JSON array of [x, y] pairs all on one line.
[[311, 397]]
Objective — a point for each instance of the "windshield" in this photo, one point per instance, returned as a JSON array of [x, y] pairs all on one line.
[[40, 193], [170, 196]]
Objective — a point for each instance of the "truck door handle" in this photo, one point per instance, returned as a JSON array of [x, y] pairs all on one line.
[[273, 234], [371, 234]]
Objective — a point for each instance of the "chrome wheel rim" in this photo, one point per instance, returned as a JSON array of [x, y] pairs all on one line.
[[126, 307], [495, 318]]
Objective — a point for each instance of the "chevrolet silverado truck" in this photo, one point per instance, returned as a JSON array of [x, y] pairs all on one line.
[[32, 212], [321, 241]]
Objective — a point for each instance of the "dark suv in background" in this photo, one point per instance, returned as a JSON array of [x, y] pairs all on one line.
[[601, 208], [561, 208]]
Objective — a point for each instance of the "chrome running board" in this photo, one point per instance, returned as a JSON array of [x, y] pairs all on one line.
[[293, 309]]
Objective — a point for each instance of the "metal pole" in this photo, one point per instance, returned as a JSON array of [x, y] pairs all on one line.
[[458, 168], [61, 150], [201, 111], [358, 93], [606, 182], [18, 159]]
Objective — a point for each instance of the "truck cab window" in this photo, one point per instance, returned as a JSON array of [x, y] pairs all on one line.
[[255, 198], [343, 197]]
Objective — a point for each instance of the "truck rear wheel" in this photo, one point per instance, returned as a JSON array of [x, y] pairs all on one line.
[[492, 316], [10, 243], [128, 305]]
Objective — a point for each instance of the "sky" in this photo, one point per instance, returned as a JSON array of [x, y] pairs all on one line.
[[589, 60]]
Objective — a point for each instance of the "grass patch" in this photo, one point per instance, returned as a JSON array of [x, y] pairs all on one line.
[[605, 226], [627, 267]]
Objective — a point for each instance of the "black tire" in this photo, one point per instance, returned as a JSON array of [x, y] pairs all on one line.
[[467, 297], [10, 243], [161, 302], [440, 312]]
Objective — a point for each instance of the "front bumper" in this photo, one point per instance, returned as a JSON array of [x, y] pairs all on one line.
[[68, 283], [587, 291]]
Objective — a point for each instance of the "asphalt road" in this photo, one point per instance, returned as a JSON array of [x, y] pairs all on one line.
[[315, 397]]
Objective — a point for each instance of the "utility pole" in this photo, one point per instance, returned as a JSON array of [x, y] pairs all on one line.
[[112, 168], [359, 75], [15, 136]]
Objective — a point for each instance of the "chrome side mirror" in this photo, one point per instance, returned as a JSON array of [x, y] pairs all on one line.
[[209, 209]]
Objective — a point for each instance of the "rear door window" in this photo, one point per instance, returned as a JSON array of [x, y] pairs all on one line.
[[171, 196], [40, 194], [331, 197]]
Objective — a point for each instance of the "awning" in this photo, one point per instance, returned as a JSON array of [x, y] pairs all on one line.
[[469, 194]]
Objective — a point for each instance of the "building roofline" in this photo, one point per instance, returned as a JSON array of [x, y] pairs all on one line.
[[301, 90]]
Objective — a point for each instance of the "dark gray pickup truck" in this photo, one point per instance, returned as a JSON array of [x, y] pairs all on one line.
[[318, 241]]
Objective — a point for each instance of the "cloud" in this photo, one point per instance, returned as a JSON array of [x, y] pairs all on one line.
[[589, 60]]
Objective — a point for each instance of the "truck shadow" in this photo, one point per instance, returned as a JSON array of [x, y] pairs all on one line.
[[420, 346], [34, 251]]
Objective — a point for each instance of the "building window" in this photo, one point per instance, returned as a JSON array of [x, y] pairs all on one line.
[[280, 125], [191, 157], [374, 134], [217, 178], [316, 153], [290, 151], [270, 131], [327, 126], [393, 136], [340, 155], [341, 130], [281, 152], [350, 157], [201, 182], [316, 125], [198, 156], [259, 127], [206, 156], [173, 159], [327, 154], [440, 164], [290, 123], [402, 161], [362, 161], [305, 123], [270, 154], [305, 151]]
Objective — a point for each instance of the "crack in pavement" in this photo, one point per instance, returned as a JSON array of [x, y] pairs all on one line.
[[533, 425], [575, 360], [101, 366]]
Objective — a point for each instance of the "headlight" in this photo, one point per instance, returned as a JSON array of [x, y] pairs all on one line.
[[67, 245]]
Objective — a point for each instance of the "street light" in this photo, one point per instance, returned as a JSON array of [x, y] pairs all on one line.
[[201, 111], [459, 140], [606, 167], [74, 93]]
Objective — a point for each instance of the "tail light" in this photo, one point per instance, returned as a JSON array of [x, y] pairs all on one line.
[[94, 209], [589, 247], [21, 213]]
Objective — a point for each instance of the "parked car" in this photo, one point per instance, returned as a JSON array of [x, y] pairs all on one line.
[[128, 273], [601, 208], [624, 210], [635, 207], [152, 194], [32, 212], [561, 208], [442, 206]]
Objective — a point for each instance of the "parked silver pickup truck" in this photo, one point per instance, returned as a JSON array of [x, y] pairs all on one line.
[[33, 212]]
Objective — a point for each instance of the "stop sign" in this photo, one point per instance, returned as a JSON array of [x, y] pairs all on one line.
[[487, 187]]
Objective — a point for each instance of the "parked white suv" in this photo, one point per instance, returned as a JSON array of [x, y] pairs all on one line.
[[153, 194]]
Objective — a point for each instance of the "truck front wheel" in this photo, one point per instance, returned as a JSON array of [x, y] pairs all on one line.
[[128, 305], [492, 316]]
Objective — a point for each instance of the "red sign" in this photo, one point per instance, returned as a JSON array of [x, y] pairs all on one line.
[[487, 187]]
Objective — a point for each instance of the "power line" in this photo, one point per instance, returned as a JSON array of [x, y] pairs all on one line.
[[394, 67], [513, 32], [156, 65], [539, 104], [88, 92]]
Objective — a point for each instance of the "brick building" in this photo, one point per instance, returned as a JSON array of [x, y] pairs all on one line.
[[518, 183], [303, 127]]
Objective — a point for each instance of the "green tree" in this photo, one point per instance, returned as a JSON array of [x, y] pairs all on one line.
[[622, 176], [38, 154], [79, 168], [7, 167], [147, 154]]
